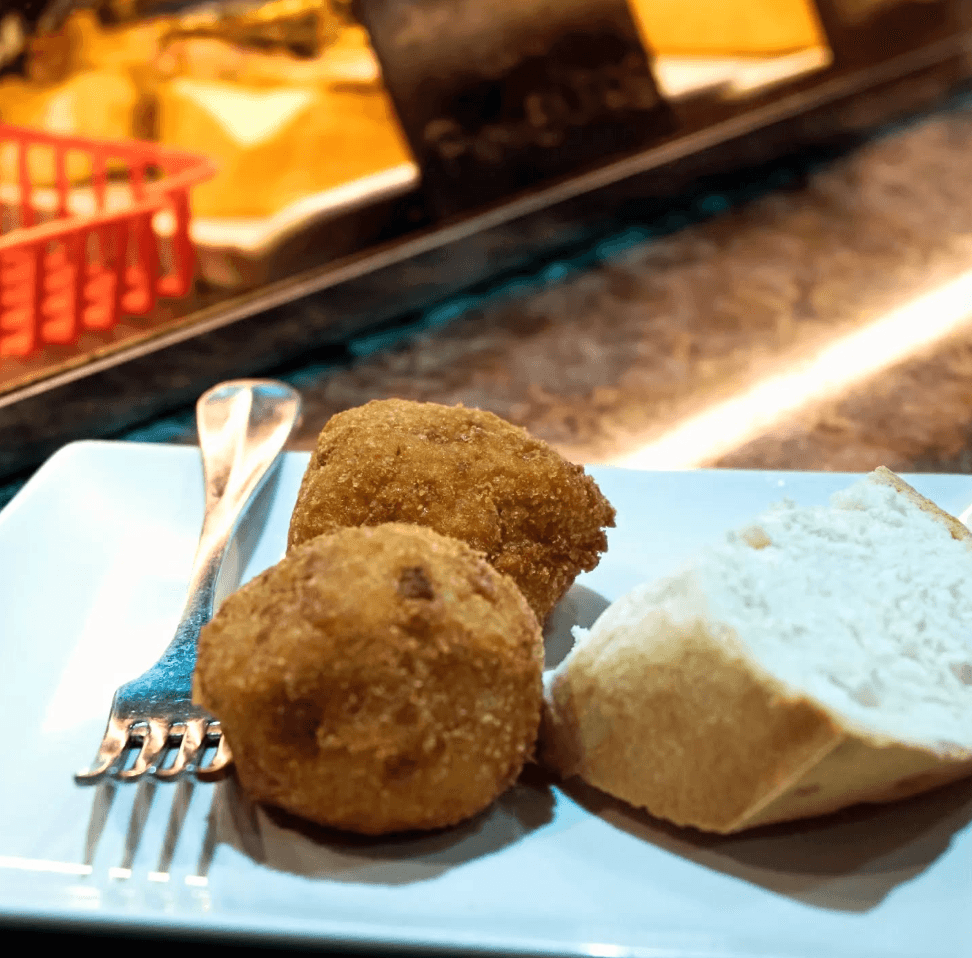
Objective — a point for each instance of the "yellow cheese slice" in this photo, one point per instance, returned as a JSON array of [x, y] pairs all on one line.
[[274, 146], [246, 116], [727, 27]]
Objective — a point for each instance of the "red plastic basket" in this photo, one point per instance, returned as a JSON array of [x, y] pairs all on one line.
[[64, 271]]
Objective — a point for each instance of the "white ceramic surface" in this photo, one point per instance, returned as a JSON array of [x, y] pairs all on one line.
[[94, 556]]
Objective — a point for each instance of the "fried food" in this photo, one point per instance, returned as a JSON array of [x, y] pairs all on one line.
[[376, 680], [464, 473], [348, 65], [304, 27]]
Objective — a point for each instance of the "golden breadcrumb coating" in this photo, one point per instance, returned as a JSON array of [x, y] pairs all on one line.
[[465, 473], [376, 680]]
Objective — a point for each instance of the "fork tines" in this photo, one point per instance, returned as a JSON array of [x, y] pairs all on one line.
[[156, 740]]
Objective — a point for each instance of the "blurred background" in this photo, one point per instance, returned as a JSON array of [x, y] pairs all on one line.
[[659, 233]]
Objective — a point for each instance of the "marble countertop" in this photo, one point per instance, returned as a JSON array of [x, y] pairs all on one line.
[[602, 355], [603, 358]]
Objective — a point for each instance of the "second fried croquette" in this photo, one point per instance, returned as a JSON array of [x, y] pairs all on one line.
[[376, 680], [465, 473]]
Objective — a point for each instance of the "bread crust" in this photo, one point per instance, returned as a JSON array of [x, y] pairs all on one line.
[[671, 714], [676, 719], [883, 476]]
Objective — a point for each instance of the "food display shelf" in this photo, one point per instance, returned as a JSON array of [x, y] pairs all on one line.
[[384, 248]]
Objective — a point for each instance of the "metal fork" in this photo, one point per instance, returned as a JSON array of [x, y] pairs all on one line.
[[243, 426]]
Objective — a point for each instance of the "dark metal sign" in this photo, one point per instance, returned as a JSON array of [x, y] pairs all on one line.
[[861, 32], [495, 97]]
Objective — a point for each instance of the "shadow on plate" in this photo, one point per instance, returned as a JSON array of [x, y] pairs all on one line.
[[847, 861], [283, 842], [581, 607], [286, 843], [145, 793]]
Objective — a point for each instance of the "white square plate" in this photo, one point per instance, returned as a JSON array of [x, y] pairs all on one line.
[[94, 561]]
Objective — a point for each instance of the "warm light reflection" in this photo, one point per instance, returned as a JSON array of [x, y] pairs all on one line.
[[724, 427], [966, 516], [42, 865], [606, 951]]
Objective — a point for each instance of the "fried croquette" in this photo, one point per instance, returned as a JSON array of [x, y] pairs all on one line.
[[465, 473], [376, 680]]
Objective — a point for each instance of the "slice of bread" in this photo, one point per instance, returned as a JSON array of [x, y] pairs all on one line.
[[816, 659]]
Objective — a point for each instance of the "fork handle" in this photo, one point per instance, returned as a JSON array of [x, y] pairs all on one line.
[[243, 425]]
